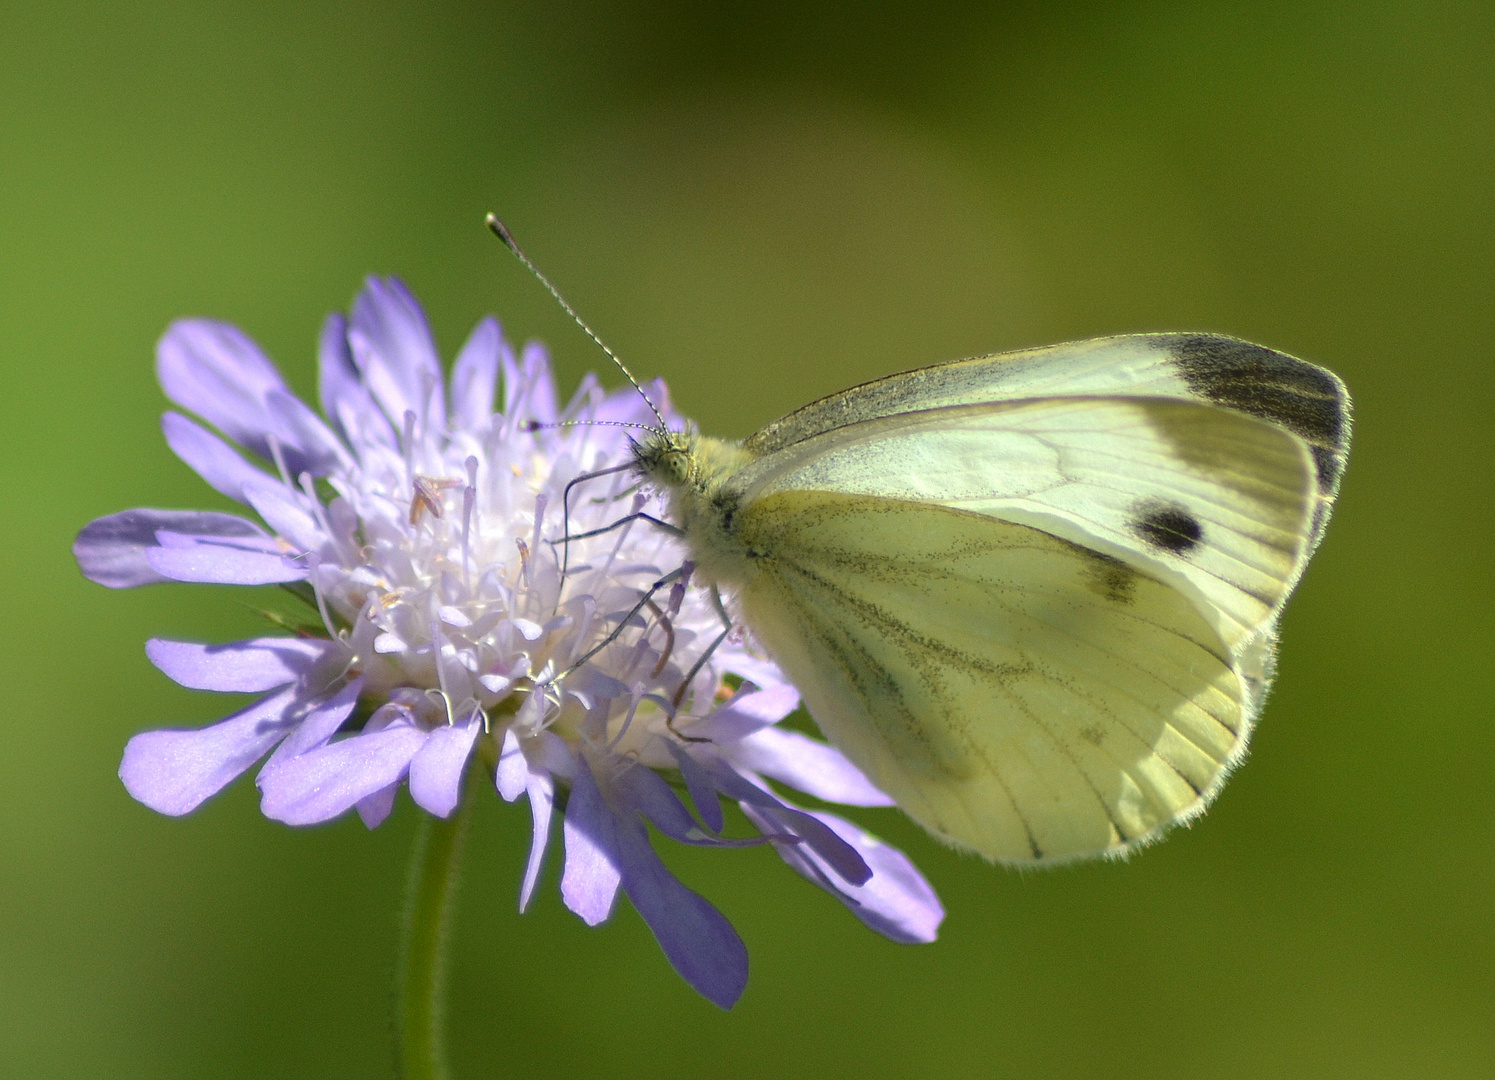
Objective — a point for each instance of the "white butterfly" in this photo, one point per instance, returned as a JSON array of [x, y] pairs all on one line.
[[1033, 596]]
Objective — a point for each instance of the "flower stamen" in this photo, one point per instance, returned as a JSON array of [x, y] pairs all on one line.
[[427, 496]]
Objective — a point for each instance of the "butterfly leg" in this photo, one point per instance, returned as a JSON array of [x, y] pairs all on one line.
[[566, 512], [695, 669], [668, 579], [673, 530]]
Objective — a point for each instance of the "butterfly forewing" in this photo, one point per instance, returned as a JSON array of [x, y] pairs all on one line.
[[1216, 502], [1210, 369]]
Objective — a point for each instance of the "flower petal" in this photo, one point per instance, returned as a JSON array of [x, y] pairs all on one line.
[[761, 673], [337, 378], [298, 426], [697, 939], [112, 550], [235, 561], [208, 456], [702, 790], [748, 712], [319, 724], [541, 803], [345, 400], [214, 370], [529, 389], [513, 771], [394, 350], [807, 764], [645, 791], [173, 771], [437, 768], [896, 901], [373, 809], [285, 511], [788, 819], [627, 406], [244, 667], [474, 376], [322, 784], [589, 882]]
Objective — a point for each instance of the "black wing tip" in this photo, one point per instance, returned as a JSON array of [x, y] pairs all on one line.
[[1307, 400]]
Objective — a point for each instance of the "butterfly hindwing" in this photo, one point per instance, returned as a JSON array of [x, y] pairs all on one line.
[[1016, 693]]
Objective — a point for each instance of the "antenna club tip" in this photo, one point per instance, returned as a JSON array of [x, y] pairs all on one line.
[[500, 230]]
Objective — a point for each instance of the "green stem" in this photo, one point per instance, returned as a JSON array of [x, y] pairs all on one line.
[[428, 919]]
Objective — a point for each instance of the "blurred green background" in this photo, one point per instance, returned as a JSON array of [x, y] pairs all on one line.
[[763, 203]]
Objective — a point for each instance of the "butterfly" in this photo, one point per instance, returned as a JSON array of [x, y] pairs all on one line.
[[1033, 596]]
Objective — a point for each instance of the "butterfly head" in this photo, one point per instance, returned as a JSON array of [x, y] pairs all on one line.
[[667, 457]]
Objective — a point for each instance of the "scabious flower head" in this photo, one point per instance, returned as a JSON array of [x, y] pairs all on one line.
[[481, 588]]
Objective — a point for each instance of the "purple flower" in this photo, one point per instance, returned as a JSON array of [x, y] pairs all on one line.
[[456, 621]]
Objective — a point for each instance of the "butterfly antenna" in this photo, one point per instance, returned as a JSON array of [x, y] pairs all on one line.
[[501, 231], [528, 426]]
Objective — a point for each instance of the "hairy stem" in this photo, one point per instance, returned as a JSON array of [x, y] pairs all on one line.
[[431, 899]]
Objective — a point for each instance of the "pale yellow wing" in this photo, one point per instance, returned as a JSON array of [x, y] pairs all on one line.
[[1017, 694], [1208, 369], [1218, 504]]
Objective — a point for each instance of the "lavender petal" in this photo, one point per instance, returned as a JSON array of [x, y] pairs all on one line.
[[761, 673], [896, 901], [322, 784], [173, 771], [541, 803], [208, 456], [244, 667], [286, 512], [788, 819], [373, 809], [214, 370], [474, 376], [320, 721], [394, 351], [529, 390], [437, 768], [628, 407], [112, 550], [702, 790], [337, 378], [513, 771], [748, 712], [345, 400], [298, 426], [805, 764], [645, 791], [696, 938], [589, 882], [215, 562]]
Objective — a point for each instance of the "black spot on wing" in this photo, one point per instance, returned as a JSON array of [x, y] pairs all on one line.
[[1166, 526], [1306, 400]]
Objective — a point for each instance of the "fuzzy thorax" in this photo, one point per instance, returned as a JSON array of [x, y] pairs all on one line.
[[695, 472]]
